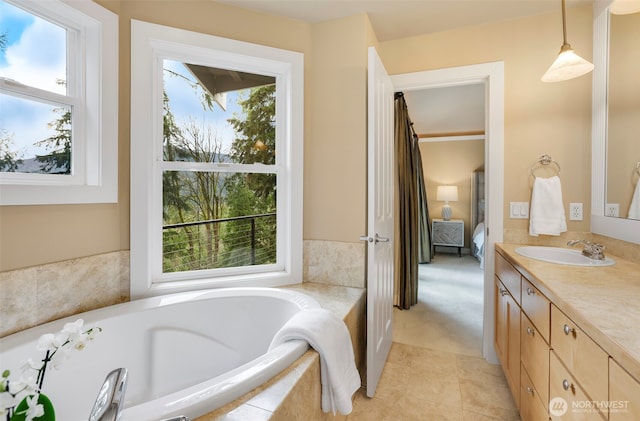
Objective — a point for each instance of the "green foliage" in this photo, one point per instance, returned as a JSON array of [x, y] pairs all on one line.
[[256, 135], [217, 198], [58, 161], [8, 156]]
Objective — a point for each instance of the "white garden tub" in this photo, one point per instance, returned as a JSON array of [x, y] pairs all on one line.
[[186, 354]]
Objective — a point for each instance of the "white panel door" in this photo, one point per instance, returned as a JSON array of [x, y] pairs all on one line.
[[380, 209]]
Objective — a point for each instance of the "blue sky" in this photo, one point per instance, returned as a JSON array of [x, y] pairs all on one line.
[[35, 56], [185, 103]]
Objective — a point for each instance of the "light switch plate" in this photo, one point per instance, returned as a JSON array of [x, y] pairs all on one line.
[[518, 210]]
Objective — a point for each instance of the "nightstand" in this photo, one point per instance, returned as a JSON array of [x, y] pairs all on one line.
[[447, 233]]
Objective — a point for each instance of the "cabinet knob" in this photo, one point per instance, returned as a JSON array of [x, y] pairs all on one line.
[[530, 390], [530, 331], [503, 292], [566, 385], [568, 330], [530, 291]]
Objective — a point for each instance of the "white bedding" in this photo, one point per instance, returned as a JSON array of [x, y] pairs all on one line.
[[478, 242]]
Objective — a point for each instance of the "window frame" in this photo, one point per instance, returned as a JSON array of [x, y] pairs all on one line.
[[92, 67], [150, 45]]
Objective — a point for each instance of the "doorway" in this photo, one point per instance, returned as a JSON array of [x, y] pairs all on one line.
[[491, 76]]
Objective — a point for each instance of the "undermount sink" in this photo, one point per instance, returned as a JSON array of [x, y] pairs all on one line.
[[561, 256]]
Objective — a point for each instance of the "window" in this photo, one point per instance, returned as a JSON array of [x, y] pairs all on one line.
[[58, 96], [216, 173]]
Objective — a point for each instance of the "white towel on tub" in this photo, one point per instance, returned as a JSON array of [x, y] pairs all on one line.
[[634, 209], [329, 336], [547, 210]]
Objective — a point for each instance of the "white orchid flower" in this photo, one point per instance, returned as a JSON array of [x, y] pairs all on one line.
[[26, 383], [93, 332], [7, 401], [61, 355], [35, 409], [73, 331], [29, 364], [48, 342]]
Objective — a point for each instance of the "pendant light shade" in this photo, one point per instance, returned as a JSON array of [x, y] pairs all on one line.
[[624, 7], [568, 65]]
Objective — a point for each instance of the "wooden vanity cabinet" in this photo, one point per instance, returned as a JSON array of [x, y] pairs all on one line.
[[563, 385], [580, 354], [531, 403], [534, 355], [624, 394], [557, 357], [507, 336]]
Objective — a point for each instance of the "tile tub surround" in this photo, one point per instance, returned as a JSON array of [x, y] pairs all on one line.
[[295, 393], [334, 263], [36, 295], [603, 301]]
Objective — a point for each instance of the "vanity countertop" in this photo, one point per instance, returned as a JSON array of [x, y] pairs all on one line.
[[603, 301]]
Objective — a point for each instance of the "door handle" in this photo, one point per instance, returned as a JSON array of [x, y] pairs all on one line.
[[381, 239], [377, 239]]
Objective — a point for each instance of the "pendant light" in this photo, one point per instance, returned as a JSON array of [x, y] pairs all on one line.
[[568, 65], [624, 7]]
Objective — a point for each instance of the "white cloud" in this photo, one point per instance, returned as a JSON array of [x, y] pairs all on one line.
[[39, 57], [36, 59]]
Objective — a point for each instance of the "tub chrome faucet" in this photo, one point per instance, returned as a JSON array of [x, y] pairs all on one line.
[[111, 397], [591, 250]]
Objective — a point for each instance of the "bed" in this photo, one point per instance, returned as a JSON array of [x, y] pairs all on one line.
[[477, 215]]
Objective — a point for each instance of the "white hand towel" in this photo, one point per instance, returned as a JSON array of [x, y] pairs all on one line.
[[634, 209], [328, 335], [547, 210]]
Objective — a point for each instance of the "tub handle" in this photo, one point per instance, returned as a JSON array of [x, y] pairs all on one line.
[[111, 397]]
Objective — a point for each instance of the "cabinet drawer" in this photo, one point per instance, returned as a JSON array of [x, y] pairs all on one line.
[[574, 403], [624, 394], [537, 307], [532, 407], [509, 276], [534, 355], [587, 361]]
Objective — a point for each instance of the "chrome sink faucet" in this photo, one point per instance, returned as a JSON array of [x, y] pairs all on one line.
[[111, 397], [591, 250]]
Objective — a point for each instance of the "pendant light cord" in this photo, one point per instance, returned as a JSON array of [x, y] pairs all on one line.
[[564, 24]]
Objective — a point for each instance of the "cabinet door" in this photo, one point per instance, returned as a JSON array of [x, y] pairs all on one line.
[[532, 407], [507, 340], [535, 357], [586, 361], [624, 394], [568, 399]]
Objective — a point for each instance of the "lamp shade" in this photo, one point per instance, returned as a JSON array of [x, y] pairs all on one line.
[[624, 7], [447, 193], [567, 66]]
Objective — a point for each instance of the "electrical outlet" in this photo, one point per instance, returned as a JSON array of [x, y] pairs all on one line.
[[612, 209], [575, 211]]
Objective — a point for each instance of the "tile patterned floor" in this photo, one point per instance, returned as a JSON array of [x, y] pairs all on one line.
[[431, 383]]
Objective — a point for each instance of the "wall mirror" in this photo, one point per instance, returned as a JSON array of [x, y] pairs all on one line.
[[616, 123]]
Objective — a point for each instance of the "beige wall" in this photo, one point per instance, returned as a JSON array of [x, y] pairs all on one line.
[[540, 118], [35, 235], [336, 142], [451, 163]]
